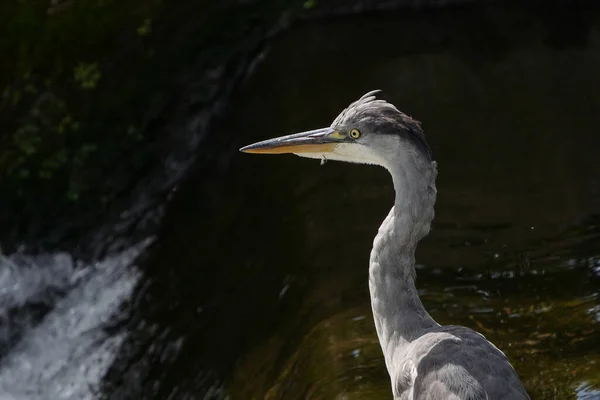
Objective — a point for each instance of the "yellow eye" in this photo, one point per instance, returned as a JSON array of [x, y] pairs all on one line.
[[354, 133]]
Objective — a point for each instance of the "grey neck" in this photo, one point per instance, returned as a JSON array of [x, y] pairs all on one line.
[[397, 309]]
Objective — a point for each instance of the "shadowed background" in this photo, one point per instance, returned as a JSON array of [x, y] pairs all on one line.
[[256, 283]]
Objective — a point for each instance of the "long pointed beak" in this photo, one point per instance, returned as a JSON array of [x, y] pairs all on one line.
[[318, 141]]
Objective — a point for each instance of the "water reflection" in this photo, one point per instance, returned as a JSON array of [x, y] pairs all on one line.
[[542, 317], [257, 285]]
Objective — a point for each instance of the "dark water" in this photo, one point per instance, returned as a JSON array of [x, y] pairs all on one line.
[[257, 284]]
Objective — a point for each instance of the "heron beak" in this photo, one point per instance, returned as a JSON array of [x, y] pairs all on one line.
[[321, 141]]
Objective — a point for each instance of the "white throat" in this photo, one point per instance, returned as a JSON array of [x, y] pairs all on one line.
[[348, 152]]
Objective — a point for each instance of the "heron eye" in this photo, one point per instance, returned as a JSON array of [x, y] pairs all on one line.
[[354, 133]]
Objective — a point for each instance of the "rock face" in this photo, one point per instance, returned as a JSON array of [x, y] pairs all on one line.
[[99, 130]]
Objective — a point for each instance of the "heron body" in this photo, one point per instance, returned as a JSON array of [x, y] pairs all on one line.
[[424, 359]]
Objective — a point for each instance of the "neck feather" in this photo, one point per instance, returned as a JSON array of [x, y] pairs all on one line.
[[397, 309]]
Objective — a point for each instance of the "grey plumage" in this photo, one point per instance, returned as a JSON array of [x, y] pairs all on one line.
[[424, 360], [377, 114]]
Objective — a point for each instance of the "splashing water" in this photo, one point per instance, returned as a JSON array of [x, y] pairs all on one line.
[[66, 354]]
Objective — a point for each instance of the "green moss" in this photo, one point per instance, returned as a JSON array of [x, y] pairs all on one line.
[[81, 84], [87, 75], [308, 4]]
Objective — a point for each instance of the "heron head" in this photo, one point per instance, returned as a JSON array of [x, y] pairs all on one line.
[[368, 131]]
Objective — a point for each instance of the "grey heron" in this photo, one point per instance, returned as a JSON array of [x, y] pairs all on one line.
[[424, 359]]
